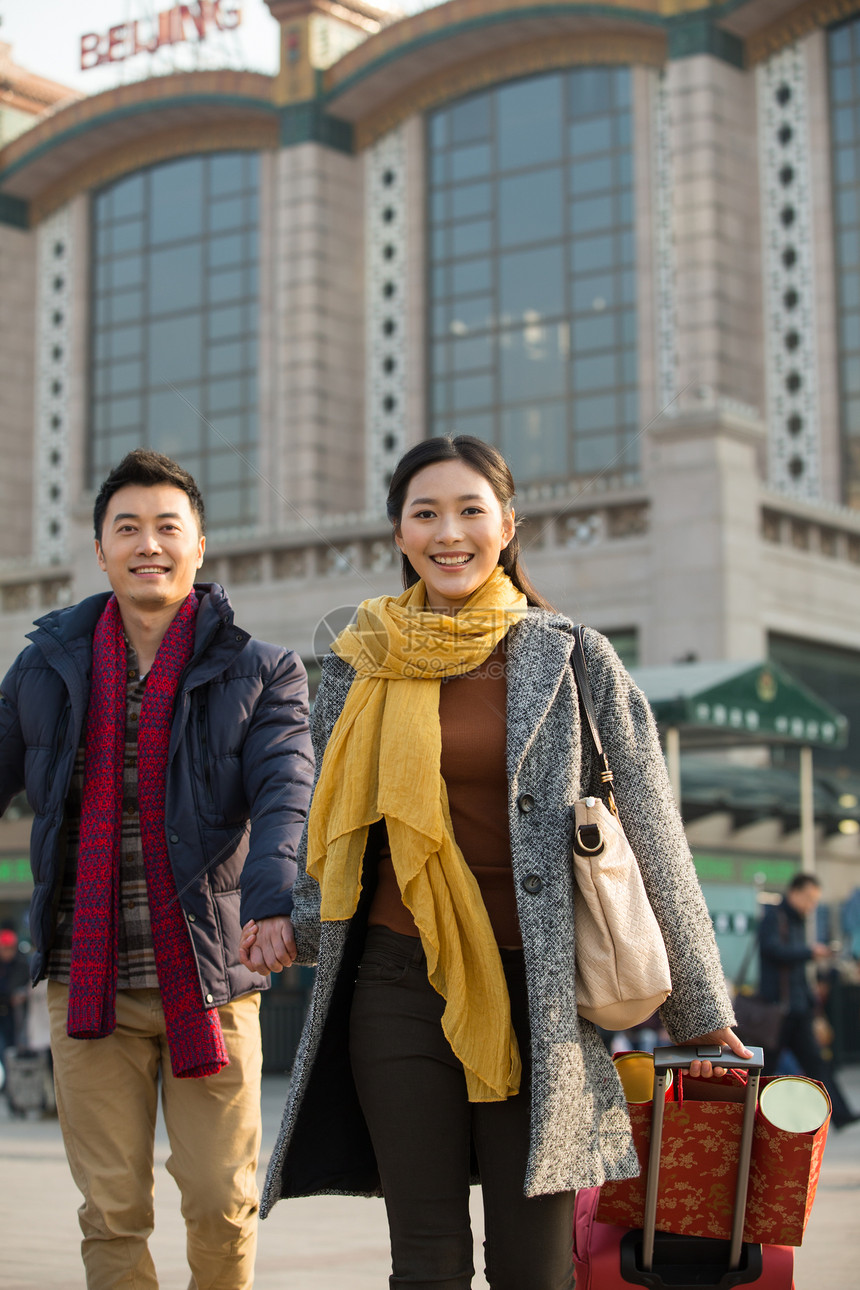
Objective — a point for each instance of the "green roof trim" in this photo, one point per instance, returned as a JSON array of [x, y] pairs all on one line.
[[147, 106], [699, 34], [309, 123], [14, 211], [687, 34], [731, 702], [615, 13]]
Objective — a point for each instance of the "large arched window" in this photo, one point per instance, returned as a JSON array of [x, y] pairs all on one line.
[[532, 272], [844, 50], [174, 324]]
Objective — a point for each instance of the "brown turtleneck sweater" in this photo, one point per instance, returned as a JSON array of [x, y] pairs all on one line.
[[474, 740]]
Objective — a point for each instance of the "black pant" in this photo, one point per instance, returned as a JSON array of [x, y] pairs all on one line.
[[798, 1037], [413, 1094]]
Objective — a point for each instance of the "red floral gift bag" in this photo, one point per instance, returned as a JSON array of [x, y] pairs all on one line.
[[699, 1165]]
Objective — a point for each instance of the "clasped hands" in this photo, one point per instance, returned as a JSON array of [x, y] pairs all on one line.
[[268, 944]]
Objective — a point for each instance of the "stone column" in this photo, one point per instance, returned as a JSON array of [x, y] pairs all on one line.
[[317, 343], [703, 477], [17, 382], [314, 265], [712, 110]]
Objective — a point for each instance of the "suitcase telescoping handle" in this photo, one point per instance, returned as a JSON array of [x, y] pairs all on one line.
[[681, 1058]]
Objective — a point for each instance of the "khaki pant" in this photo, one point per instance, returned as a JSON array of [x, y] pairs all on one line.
[[106, 1098]]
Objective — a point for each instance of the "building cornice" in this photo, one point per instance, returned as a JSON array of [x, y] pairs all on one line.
[[230, 135], [523, 59], [93, 113], [100, 138], [799, 22], [458, 22]]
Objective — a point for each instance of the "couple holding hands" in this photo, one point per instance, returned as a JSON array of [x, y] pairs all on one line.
[[193, 834]]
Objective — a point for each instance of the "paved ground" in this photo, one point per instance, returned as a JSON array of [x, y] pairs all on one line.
[[330, 1243]]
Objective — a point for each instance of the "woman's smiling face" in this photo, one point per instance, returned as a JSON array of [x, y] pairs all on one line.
[[452, 531]]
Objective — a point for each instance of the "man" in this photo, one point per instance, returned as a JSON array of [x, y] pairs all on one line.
[[784, 955], [167, 758]]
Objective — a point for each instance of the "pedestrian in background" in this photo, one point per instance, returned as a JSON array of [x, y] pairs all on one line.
[[149, 731], [14, 989], [785, 954], [436, 892]]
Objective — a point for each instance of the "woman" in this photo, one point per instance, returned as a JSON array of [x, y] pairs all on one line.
[[435, 892]]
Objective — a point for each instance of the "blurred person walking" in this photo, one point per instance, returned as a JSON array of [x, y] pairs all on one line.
[[14, 989], [785, 954]]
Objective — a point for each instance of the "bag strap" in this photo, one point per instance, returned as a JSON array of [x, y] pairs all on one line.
[[583, 684]]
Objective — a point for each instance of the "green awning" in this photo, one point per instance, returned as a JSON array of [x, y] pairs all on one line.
[[732, 703]]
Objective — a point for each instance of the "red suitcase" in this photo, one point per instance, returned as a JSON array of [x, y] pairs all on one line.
[[609, 1257]]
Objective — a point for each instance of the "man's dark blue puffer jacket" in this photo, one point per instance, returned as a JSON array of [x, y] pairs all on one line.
[[784, 955], [239, 775]]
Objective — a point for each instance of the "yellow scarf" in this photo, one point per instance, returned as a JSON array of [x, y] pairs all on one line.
[[385, 744]]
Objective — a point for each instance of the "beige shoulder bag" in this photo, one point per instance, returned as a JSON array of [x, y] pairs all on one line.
[[621, 964]]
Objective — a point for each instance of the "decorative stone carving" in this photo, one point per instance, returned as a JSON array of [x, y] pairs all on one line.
[[792, 378], [54, 291], [386, 311], [667, 317]]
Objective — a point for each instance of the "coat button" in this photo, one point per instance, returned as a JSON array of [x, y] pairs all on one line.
[[174, 837], [526, 803], [210, 998], [192, 918], [532, 884]]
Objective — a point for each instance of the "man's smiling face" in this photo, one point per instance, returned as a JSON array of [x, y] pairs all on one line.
[[151, 546]]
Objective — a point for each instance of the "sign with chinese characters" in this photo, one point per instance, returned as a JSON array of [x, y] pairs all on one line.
[[169, 27], [15, 872]]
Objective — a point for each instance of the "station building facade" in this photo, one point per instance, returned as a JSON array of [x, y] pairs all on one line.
[[619, 240]]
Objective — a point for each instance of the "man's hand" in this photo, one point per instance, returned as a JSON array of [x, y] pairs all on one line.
[[268, 945]]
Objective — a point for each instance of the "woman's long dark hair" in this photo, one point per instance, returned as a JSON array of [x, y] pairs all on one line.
[[487, 461]]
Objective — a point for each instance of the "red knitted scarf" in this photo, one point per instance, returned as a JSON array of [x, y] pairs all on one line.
[[194, 1034]]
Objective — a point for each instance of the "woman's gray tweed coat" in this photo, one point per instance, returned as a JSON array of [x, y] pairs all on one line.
[[580, 1132]]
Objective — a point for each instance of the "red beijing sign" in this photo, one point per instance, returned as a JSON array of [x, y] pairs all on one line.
[[170, 27]]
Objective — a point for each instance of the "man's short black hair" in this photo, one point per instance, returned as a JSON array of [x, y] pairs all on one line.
[[801, 881], [143, 466]]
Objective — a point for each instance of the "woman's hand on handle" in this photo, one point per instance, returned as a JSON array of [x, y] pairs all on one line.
[[726, 1037]]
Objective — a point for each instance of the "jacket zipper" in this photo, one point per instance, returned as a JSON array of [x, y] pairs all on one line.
[[58, 745], [204, 749]]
